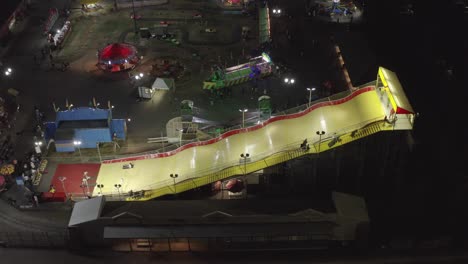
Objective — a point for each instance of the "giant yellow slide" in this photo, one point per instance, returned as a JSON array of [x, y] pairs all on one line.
[[356, 114]]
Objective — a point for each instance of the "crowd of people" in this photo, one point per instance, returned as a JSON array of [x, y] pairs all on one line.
[[23, 168]]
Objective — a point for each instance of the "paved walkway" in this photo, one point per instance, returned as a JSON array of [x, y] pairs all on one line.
[[47, 217]]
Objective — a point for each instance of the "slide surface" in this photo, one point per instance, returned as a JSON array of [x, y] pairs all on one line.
[[195, 160]]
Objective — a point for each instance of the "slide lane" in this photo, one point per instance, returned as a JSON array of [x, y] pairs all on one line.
[[201, 158]]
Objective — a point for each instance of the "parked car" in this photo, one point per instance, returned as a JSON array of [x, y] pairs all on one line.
[[197, 15], [210, 30]]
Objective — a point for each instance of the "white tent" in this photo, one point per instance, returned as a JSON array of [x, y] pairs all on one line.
[[163, 84]]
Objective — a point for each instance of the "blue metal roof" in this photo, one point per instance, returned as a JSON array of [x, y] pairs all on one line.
[[86, 124], [83, 113], [119, 127]]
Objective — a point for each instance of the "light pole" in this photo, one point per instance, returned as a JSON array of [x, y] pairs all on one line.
[[245, 156], [134, 17], [243, 111], [310, 94], [82, 186], [118, 186], [320, 134], [181, 131], [37, 147], [99, 152], [100, 186], [78, 144], [84, 181], [62, 180], [174, 176]]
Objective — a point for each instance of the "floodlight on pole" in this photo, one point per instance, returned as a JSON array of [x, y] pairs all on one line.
[[8, 71], [310, 94], [181, 132], [245, 157], [118, 186], [77, 143], [320, 134], [82, 186], [62, 180], [174, 176], [289, 80], [84, 181], [100, 186]]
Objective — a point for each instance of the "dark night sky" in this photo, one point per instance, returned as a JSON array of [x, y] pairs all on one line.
[[436, 182]]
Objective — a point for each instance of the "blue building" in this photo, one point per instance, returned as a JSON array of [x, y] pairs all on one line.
[[86, 125]]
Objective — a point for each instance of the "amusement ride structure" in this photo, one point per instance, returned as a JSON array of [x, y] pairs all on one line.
[[117, 57], [257, 67], [345, 117]]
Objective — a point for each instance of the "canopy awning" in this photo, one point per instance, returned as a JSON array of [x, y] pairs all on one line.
[[396, 95], [117, 53], [163, 84], [86, 211]]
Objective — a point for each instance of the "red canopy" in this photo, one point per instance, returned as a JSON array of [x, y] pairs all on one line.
[[117, 51]]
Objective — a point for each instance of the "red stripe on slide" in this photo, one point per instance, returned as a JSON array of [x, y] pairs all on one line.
[[243, 130]]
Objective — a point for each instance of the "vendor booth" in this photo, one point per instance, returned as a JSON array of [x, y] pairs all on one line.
[[165, 84], [117, 57]]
